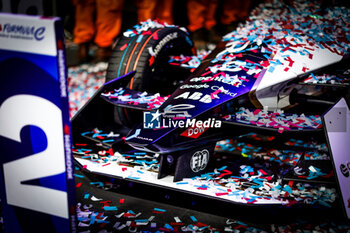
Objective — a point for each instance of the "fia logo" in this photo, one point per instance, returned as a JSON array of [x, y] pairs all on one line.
[[151, 120], [199, 160]]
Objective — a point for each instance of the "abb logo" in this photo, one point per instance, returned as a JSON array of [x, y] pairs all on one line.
[[194, 132], [195, 96]]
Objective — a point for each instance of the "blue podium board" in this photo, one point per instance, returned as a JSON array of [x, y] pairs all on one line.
[[36, 178]]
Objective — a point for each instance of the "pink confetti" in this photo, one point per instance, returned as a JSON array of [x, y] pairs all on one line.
[[123, 47], [155, 36]]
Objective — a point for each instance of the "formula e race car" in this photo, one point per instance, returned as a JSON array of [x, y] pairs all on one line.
[[278, 75]]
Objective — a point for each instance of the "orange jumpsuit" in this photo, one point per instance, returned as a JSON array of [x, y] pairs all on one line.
[[234, 10], [106, 26], [155, 9], [201, 14]]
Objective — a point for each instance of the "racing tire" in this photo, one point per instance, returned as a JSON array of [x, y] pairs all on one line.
[[148, 54]]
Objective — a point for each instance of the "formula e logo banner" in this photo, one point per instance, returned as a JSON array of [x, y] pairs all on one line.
[[22, 31], [27, 34], [36, 167]]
